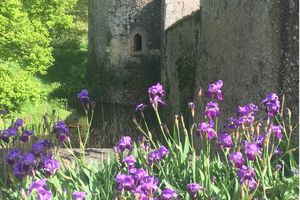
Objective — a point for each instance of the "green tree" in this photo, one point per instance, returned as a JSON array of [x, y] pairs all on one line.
[[57, 16], [23, 40], [30, 31]]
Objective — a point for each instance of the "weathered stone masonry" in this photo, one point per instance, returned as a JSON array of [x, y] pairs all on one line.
[[124, 43], [187, 44], [251, 45]]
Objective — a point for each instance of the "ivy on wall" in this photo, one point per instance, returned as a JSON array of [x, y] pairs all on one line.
[[186, 72], [140, 75]]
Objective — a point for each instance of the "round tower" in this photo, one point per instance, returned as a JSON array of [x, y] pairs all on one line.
[[124, 44]]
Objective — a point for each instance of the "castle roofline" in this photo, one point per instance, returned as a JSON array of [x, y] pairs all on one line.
[[182, 20]]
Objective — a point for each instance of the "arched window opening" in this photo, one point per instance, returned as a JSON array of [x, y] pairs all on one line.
[[138, 42]]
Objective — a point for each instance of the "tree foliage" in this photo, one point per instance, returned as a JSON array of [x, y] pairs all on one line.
[[18, 86], [23, 40], [57, 16], [30, 30]]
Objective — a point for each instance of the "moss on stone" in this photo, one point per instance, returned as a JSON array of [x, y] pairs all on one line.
[[186, 70]]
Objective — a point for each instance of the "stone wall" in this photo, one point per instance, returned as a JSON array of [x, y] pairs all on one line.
[[118, 76], [250, 45], [179, 69], [115, 67], [243, 47], [289, 41]]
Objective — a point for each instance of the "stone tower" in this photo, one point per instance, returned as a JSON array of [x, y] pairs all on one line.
[[124, 46], [174, 10]]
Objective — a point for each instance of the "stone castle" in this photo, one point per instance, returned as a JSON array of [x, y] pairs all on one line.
[[127, 36], [186, 44]]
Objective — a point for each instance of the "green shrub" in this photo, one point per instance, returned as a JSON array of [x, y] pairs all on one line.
[[19, 86]]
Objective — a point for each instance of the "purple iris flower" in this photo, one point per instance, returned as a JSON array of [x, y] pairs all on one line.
[[41, 189], [277, 130], [251, 184], [156, 92], [38, 185], [140, 107], [28, 158], [246, 119], [25, 135], [237, 159], [193, 189], [277, 151], [260, 140], [246, 175], [79, 195], [140, 194], [232, 123], [47, 144], [157, 100], [153, 157], [62, 137], [50, 165], [157, 155], [18, 123], [169, 194], [24, 166], [6, 134], [272, 104], [11, 131], [44, 195], [83, 96], [124, 143], [225, 140], [13, 156], [61, 130], [246, 116], [245, 110], [17, 171], [130, 162], [38, 148], [139, 174], [242, 120], [162, 151], [61, 127], [124, 182], [212, 110], [204, 127], [252, 150], [149, 184], [215, 88]]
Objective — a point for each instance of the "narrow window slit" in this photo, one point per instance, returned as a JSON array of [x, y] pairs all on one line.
[[137, 42]]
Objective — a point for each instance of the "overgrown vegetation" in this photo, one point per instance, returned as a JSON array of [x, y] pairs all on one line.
[[186, 71], [40, 42], [18, 86]]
